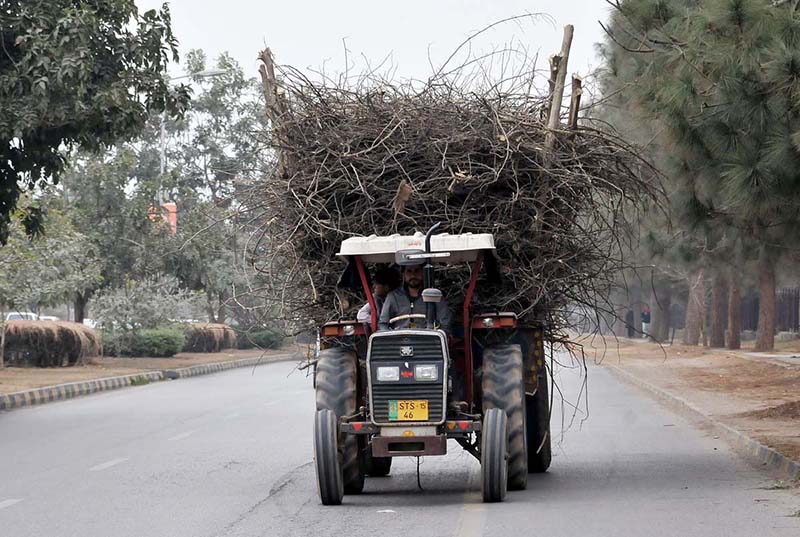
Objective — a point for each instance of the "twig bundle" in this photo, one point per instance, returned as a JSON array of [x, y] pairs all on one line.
[[372, 157], [49, 343], [209, 337]]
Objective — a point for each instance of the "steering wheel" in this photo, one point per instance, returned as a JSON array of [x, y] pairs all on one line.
[[407, 316]]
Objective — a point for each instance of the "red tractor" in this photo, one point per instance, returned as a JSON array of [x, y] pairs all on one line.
[[405, 392]]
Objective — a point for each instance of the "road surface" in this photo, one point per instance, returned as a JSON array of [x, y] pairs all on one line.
[[230, 455]]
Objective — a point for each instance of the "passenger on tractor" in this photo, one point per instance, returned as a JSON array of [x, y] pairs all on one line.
[[407, 299], [386, 280]]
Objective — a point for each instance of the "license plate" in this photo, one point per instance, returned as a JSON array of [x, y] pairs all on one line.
[[408, 410]]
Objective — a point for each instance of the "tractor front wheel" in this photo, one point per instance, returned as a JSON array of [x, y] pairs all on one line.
[[326, 458], [494, 455], [336, 391]]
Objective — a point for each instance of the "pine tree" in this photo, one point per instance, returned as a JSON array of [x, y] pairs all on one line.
[[722, 78]]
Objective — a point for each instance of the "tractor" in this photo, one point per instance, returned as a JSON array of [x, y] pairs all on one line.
[[403, 393]]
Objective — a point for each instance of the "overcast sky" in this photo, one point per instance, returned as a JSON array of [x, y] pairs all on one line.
[[309, 33]]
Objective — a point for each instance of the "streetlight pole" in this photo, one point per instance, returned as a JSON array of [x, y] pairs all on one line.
[[207, 73]]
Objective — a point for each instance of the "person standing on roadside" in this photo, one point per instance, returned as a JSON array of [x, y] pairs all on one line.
[[645, 320]]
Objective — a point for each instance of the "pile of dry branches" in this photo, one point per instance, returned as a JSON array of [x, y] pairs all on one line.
[[209, 337], [371, 157], [49, 343]]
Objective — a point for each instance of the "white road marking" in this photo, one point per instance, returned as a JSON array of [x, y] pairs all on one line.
[[386, 511], [10, 502], [181, 436], [106, 465]]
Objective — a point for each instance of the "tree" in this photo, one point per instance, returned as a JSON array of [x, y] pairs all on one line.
[[76, 74], [722, 79], [152, 302], [214, 153], [108, 198], [48, 269]]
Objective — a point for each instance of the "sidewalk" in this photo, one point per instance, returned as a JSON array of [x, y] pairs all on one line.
[[757, 394]]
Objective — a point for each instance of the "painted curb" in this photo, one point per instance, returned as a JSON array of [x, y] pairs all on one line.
[[753, 450], [205, 369], [62, 392]]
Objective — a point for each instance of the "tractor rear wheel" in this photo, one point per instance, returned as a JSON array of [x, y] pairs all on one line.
[[504, 388], [537, 408], [336, 391], [326, 458], [494, 455]]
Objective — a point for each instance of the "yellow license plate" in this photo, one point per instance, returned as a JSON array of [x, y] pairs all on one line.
[[408, 410]]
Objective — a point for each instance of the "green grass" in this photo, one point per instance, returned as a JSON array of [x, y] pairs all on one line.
[[139, 381]]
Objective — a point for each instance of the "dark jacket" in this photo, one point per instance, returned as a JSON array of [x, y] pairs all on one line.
[[400, 302]]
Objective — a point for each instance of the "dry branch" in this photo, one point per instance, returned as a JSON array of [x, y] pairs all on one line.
[[369, 156]]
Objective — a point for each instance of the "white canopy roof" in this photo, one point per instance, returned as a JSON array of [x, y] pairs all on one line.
[[375, 249]]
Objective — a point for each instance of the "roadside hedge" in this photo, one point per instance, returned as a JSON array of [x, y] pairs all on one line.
[[155, 343], [209, 337], [49, 343], [262, 339]]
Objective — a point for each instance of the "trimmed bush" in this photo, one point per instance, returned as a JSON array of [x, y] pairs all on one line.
[[262, 339], [158, 342], [49, 343], [155, 343], [209, 337]]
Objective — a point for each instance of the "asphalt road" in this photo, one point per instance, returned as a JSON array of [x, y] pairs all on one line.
[[230, 455]]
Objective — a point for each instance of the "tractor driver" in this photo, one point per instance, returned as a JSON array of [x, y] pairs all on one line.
[[407, 299]]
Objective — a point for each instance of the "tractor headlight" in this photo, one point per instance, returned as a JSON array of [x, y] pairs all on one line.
[[348, 330], [426, 372], [388, 374]]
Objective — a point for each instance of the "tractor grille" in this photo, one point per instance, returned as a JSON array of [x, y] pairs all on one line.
[[381, 394], [386, 351]]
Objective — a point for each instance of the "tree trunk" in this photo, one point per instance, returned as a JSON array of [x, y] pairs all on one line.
[[210, 310], [735, 310], [615, 318], [636, 305], [695, 308], [81, 300], [660, 313], [765, 338], [2, 340], [719, 310], [221, 310]]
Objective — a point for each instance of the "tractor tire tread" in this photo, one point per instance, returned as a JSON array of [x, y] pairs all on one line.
[[503, 387], [337, 371]]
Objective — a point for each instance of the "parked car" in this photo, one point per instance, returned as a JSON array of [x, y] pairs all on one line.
[[91, 323], [22, 316], [48, 318]]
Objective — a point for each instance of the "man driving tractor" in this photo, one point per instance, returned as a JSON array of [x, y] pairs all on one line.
[[407, 300]]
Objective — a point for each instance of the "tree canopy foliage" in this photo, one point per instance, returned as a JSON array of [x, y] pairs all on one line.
[[76, 74], [719, 83], [49, 269]]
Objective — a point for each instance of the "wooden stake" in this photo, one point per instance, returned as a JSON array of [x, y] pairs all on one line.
[[554, 119], [575, 101], [277, 106]]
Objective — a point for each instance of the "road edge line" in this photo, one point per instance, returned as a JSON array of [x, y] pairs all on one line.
[[753, 450]]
